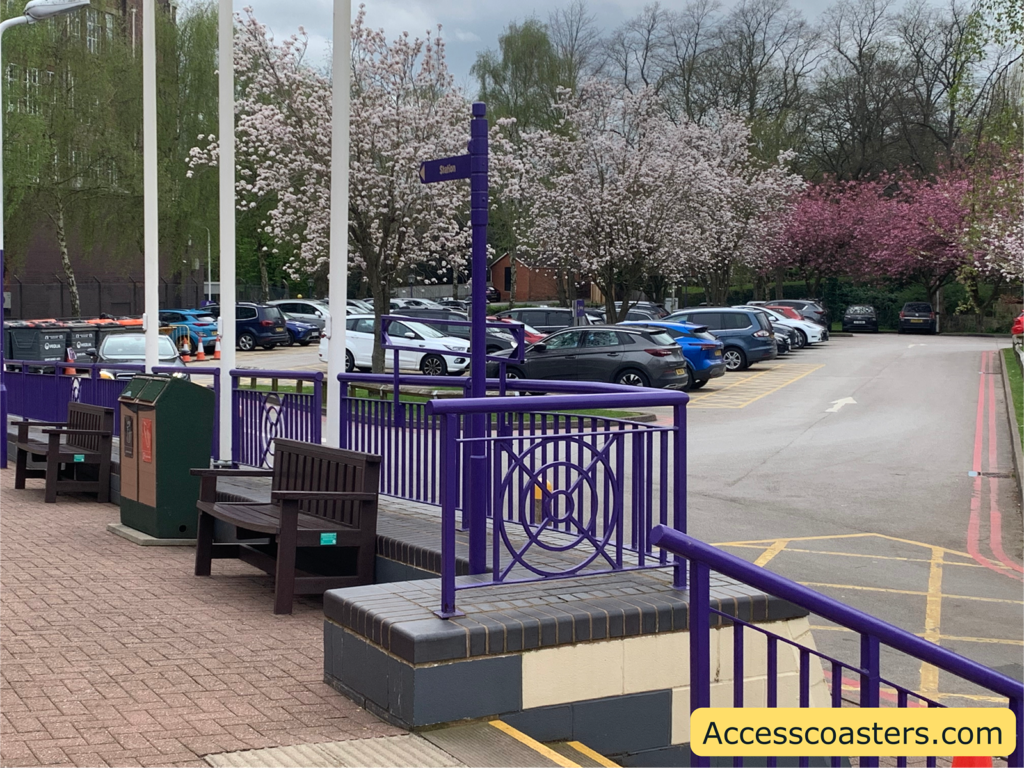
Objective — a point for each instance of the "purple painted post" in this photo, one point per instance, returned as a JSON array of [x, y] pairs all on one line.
[[870, 663], [236, 425], [700, 646], [449, 439], [216, 412], [318, 404], [679, 488], [477, 469], [3, 372]]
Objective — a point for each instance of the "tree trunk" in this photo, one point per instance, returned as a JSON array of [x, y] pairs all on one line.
[[65, 260], [264, 280], [381, 291], [562, 287]]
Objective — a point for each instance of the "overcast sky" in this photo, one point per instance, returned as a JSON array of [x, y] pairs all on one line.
[[469, 26]]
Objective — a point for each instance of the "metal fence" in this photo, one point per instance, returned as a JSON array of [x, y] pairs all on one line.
[[260, 416], [874, 635]]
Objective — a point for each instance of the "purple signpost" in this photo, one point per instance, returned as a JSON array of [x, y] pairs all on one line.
[[3, 378], [474, 167]]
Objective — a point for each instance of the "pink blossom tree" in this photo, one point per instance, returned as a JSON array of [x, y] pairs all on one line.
[[404, 109]]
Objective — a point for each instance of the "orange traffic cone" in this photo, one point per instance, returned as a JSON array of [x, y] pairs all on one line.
[[70, 358], [972, 762], [200, 352], [186, 350], [216, 349]]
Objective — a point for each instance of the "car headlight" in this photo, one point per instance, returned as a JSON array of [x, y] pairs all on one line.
[[107, 375], [179, 375]]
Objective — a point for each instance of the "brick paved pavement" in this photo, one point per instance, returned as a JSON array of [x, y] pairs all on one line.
[[115, 654]]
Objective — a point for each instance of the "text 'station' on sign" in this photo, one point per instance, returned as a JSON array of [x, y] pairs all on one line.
[[444, 169]]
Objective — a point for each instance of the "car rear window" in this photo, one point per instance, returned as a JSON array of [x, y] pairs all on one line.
[[661, 338], [764, 321], [860, 310], [273, 313], [917, 306]]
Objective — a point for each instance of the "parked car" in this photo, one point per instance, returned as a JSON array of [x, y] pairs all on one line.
[[1017, 328], [746, 333], [810, 310], [359, 338], [798, 332], [786, 336], [304, 310], [642, 357], [813, 330], [200, 324], [860, 317], [783, 345], [530, 334], [301, 333], [703, 352], [418, 303], [545, 319], [124, 348], [457, 304], [444, 320], [256, 325], [917, 316], [636, 313], [363, 305]]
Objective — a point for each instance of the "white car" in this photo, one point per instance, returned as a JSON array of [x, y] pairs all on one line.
[[812, 333], [408, 333]]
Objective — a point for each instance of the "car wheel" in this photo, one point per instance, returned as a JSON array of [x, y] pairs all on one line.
[[269, 347], [698, 384], [492, 350], [291, 339], [633, 378], [434, 365], [513, 373], [734, 359], [304, 343], [350, 362], [247, 342], [801, 339]]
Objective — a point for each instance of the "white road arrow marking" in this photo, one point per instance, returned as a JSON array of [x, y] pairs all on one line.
[[840, 403], [909, 346]]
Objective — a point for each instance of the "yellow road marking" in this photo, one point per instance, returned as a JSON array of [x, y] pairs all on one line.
[[932, 619], [771, 552], [969, 697], [753, 387], [535, 745], [854, 554], [597, 757], [910, 592], [947, 550], [996, 640]]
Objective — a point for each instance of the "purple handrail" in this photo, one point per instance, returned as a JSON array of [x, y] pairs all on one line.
[[704, 558]]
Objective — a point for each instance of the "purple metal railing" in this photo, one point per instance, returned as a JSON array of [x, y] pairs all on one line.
[[567, 494], [874, 633], [258, 417], [42, 391]]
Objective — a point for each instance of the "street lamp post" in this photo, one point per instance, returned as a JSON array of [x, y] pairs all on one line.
[[36, 10]]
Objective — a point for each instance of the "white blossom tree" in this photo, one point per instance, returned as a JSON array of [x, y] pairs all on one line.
[[404, 109]]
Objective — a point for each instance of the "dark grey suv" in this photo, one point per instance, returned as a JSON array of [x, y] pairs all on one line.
[[642, 357], [544, 319], [746, 333]]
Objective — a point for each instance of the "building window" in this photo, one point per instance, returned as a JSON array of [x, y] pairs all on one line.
[[31, 100], [11, 76], [93, 29]]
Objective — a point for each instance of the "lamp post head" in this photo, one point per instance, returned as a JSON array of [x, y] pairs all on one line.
[[40, 10]]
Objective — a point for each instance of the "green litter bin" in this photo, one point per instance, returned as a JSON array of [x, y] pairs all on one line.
[[166, 430]]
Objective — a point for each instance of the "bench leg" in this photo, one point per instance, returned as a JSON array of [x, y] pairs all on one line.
[[284, 579], [52, 475], [204, 544], [21, 469], [366, 558]]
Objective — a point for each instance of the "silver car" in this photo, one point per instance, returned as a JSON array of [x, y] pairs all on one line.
[[304, 310]]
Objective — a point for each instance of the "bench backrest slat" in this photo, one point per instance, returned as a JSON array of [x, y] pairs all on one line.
[[95, 417], [307, 467]]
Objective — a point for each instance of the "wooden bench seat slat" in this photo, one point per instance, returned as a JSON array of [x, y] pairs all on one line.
[[307, 524]]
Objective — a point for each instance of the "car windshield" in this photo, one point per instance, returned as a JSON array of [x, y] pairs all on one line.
[[133, 347], [273, 313], [860, 311]]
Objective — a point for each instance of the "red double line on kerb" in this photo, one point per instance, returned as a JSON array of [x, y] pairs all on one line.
[[995, 516]]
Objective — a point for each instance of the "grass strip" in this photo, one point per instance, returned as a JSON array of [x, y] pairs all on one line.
[[1016, 377]]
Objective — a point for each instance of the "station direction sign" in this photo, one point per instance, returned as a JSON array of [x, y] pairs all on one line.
[[444, 169]]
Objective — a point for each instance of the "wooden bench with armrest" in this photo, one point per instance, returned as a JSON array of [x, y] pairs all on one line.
[[322, 499], [88, 436]]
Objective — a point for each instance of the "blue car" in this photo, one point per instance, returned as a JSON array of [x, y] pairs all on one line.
[[748, 335], [301, 333], [196, 325], [703, 352]]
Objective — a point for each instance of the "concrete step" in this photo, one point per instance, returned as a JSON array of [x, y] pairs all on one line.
[[496, 744], [581, 754]]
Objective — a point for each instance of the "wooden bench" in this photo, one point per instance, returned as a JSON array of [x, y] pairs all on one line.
[[88, 435], [323, 500]]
